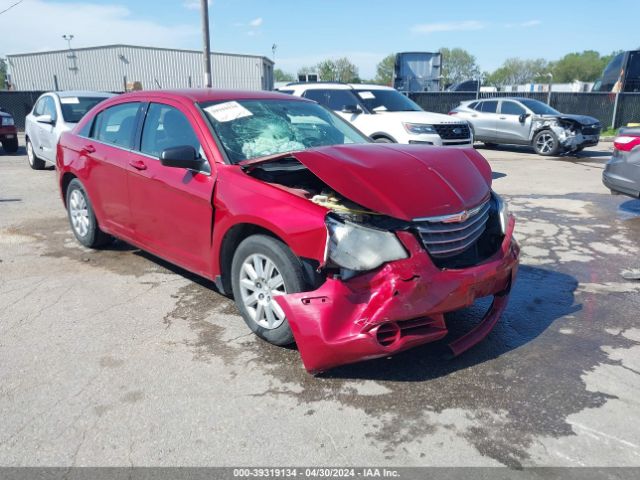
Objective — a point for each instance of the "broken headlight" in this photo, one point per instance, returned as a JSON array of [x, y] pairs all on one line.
[[503, 212], [360, 248]]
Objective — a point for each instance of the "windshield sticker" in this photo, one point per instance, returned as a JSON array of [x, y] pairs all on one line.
[[367, 95], [227, 111], [69, 100]]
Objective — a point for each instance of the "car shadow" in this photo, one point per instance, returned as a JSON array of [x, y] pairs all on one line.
[[526, 150], [539, 297], [496, 175], [630, 209]]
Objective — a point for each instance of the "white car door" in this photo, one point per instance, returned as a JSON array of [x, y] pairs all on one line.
[[47, 137]]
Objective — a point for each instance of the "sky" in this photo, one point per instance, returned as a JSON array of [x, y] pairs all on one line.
[[308, 31]]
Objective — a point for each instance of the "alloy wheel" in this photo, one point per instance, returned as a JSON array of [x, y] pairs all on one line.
[[30, 155], [260, 282], [79, 213], [545, 143]]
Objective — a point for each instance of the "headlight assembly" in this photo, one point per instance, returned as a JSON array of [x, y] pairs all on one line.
[[359, 248], [503, 212], [418, 128]]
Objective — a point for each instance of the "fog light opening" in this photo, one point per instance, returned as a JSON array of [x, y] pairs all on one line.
[[388, 333]]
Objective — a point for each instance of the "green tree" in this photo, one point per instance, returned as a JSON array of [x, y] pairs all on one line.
[[515, 71], [585, 66], [458, 65], [280, 76], [339, 70], [3, 74], [384, 70]]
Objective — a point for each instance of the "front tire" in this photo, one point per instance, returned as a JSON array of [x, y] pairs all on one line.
[[82, 218], [545, 143], [264, 267], [10, 146], [34, 162]]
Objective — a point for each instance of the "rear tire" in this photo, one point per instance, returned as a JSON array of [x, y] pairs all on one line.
[[34, 162], [545, 143], [82, 219], [10, 146], [264, 267], [490, 145], [383, 140]]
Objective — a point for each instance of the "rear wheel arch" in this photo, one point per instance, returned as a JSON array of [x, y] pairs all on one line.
[[64, 185]]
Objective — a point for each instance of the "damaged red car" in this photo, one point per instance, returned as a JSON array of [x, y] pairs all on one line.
[[351, 249]]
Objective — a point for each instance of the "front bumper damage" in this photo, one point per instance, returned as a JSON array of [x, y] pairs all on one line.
[[397, 307], [569, 133]]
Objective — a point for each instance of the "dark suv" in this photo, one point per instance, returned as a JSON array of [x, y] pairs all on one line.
[[8, 132]]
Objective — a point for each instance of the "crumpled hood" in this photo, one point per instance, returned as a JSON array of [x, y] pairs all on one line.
[[581, 119], [403, 181], [422, 117]]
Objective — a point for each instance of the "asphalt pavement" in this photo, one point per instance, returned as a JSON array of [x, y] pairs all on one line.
[[116, 358]]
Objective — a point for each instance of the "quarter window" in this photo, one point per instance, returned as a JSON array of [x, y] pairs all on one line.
[[511, 108], [167, 127], [117, 125], [49, 108], [39, 108]]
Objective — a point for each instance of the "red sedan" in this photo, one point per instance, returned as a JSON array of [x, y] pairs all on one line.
[[350, 249]]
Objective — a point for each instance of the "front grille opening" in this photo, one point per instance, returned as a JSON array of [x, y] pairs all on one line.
[[463, 244], [452, 131]]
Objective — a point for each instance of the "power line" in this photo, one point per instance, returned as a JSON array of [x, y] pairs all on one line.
[[11, 6]]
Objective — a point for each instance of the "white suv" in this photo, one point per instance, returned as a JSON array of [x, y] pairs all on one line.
[[384, 114], [53, 114]]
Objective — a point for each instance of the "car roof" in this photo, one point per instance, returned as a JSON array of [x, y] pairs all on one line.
[[82, 93], [335, 86], [210, 94]]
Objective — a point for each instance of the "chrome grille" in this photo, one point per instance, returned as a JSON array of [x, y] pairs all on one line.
[[451, 235]]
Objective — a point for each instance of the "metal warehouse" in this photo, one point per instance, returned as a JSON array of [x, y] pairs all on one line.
[[121, 67]]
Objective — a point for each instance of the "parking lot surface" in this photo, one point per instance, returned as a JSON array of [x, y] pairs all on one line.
[[116, 358]]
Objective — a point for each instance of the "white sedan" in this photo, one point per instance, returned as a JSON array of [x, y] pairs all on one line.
[[53, 114]]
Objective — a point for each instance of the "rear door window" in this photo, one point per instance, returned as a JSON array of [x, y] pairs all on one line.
[[489, 106], [117, 125], [332, 99]]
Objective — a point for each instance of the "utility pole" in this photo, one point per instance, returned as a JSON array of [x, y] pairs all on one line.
[[206, 41]]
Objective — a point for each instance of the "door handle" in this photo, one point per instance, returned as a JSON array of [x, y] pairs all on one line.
[[89, 149], [503, 118], [138, 164]]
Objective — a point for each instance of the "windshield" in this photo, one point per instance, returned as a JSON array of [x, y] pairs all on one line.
[[387, 101], [74, 108], [539, 108], [251, 129]]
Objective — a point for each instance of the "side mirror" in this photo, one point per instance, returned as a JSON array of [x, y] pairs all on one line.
[[184, 156], [351, 109], [523, 117], [45, 119]]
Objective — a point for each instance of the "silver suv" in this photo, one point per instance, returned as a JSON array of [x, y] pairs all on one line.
[[523, 121]]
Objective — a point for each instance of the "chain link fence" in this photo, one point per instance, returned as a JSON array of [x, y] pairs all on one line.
[[598, 105], [18, 104]]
